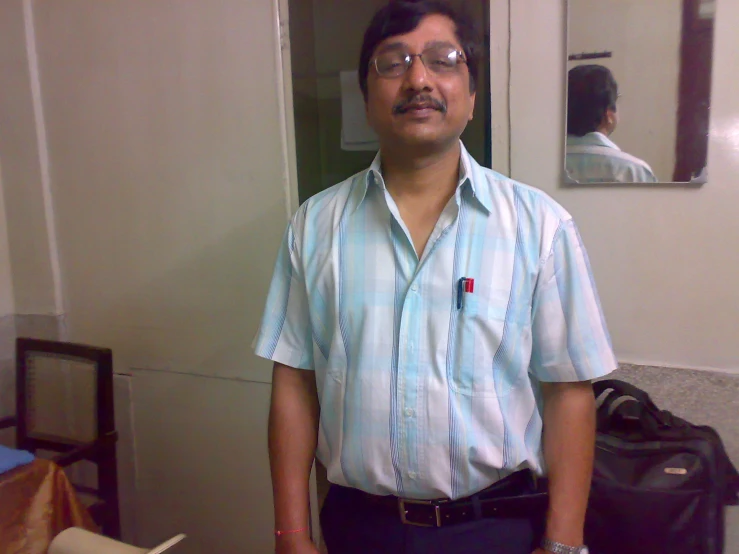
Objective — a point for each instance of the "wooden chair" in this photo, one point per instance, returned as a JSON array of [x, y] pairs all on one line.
[[42, 369]]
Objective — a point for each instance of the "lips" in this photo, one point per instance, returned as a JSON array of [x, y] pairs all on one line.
[[419, 107]]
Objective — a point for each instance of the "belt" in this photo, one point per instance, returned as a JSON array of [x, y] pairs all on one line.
[[509, 498]]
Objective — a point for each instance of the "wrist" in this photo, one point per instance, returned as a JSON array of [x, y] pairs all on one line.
[[299, 531], [567, 539], [564, 531], [554, 547], [292, 542]]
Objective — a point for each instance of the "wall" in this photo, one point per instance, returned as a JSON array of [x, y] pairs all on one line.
[[661, 256], [7, 318], [28, 291], [22, 157], [143, 143], [645, 40], [172, 175], [7, 302]]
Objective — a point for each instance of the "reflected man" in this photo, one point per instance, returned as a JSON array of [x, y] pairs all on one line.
[[592, 157]]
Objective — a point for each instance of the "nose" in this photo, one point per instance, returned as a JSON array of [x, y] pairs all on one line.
[[417, 77]]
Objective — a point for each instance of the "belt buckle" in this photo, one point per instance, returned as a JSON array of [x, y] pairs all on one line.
[[404, 514]]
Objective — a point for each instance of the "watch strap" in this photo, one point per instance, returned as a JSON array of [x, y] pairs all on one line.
[[559, 548]]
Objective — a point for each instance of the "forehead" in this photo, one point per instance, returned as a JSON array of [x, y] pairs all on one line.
[[432, 30]]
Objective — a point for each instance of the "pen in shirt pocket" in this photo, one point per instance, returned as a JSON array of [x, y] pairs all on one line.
[[464, 285]]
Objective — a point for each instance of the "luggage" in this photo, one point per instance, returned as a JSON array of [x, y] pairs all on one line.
[[660, 483]]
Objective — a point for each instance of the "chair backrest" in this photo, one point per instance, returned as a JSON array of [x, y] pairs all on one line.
[[64, 394]]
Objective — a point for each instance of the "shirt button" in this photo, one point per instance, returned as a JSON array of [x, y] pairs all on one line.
[[414, 288], [412, 474], [409, 412]]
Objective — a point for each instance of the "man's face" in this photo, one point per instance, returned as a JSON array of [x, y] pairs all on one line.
[[420, 108]]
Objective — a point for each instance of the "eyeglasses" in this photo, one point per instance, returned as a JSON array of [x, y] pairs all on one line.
[[437, 59]]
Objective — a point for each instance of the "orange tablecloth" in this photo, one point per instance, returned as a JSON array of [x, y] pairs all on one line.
[[37, 502]]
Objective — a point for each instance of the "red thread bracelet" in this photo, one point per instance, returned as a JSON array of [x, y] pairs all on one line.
[[291, 532]]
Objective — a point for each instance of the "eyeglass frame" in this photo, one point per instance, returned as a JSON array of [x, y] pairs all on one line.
[[461, 58]]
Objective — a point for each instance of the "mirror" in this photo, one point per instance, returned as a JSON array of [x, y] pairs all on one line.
[[638, 91]]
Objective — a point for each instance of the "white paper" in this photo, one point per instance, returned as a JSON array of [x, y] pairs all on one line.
[[80, 541], [356, 134]]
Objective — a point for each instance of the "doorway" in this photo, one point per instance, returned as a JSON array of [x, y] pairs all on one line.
[[325, 40]]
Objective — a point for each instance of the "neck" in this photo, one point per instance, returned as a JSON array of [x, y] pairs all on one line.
[[431, 175]]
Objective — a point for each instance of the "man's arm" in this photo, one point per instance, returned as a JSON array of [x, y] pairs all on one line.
[[293, 435], [569, 448]]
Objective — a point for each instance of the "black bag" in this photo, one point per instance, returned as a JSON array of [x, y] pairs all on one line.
[[660, 484]]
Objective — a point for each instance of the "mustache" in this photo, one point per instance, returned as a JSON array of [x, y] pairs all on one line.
[[408, 104]]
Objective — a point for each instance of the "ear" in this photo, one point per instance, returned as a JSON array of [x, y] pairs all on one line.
[[611, 118], [473, 96]]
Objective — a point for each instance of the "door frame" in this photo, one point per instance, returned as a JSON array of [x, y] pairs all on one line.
[[281, 18], [285, 98]]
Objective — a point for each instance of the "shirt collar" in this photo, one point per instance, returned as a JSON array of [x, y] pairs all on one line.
[[469, 176], [595, 138]]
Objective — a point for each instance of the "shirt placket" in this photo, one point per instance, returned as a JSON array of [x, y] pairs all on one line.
[[412, 317]]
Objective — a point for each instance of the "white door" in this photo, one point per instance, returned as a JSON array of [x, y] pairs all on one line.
[[170, 159]]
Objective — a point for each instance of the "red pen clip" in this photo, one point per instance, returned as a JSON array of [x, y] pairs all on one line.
[[469, 285]]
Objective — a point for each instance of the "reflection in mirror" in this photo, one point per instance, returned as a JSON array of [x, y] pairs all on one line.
[[638, 90]]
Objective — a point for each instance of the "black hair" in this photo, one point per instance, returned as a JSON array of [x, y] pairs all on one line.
[[591, 92], [399, 17]]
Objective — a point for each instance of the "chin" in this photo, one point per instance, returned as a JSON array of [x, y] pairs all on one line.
[[427, 142], [419, 137]]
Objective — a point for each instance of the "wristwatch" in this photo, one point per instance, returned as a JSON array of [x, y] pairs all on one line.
[[559, 548]]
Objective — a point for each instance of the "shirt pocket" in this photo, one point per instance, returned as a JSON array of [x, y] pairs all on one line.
[[486, 353]]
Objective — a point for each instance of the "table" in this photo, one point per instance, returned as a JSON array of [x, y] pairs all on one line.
[[37, 502]]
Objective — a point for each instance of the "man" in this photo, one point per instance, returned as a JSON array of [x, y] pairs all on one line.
[[427, 318], [591, 118]]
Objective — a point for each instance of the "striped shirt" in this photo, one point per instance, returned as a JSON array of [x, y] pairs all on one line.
[[594, 158], [423, 396]]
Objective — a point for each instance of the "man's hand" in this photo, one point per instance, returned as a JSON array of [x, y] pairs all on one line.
[[295, 544], [569, 448], [293, 433]]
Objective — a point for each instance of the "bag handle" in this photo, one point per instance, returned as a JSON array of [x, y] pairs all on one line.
[[650, 416], [622, 388]]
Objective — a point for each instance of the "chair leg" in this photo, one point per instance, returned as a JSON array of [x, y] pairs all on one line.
[[108, 485]]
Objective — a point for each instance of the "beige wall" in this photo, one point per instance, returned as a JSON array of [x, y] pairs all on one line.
[[20, 161], [167, 195], [7, 301], [170, 193], [7, 322], [645, 40], [663, 258]]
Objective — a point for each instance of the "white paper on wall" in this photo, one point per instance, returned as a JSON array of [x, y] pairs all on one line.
[[356, 134]]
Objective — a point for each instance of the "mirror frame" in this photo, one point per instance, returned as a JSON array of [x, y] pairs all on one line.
[[568, 182]]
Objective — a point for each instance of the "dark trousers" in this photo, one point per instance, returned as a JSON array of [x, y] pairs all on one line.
[[351, 524]]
